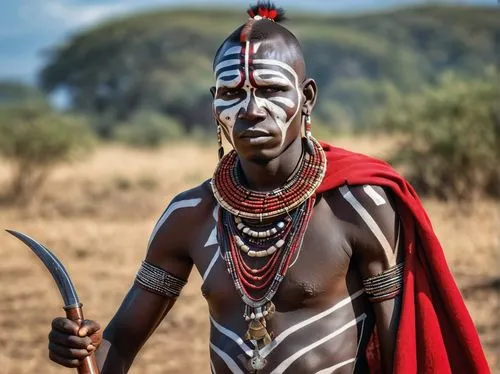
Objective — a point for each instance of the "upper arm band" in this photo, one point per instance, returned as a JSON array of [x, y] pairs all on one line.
[[159, 281], [385, 285]]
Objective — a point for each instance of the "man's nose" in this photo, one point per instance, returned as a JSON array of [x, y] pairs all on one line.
[[253, 112]]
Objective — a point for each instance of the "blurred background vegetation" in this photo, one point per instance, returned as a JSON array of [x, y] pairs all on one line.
[[425, 73], [129, 97]]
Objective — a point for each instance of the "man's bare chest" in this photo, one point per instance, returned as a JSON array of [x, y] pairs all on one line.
[[317, 272], [319, 300]]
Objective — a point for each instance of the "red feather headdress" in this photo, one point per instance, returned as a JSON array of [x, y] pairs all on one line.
[[267, 10], [262, 10]]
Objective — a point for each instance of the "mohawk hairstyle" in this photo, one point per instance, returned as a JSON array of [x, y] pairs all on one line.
[[265, 22], [261, 10]]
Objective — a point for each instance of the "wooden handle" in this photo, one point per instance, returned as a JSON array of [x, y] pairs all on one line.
[[88, 365]]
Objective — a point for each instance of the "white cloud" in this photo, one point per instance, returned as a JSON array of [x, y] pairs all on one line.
[[78, 15], [68, 14]]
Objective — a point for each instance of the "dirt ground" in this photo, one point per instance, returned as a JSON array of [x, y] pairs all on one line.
[[96, 216]]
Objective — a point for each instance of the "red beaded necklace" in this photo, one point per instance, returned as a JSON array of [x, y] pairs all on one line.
[[243, 202]]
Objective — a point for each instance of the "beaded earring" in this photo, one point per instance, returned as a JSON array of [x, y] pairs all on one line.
[[219, 141], [308, 144]]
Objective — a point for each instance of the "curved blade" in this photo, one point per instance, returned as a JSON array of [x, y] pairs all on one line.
[[55, 267]]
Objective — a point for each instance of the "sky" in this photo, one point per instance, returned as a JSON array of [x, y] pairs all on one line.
[[28, 27]]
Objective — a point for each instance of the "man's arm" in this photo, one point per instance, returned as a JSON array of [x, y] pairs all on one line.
[[166, 267], [376, 250]]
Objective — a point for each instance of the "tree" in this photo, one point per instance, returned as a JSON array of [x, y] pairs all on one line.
[[35, 139], [16, 92], [450, 137], [149, 130], [161, 61]]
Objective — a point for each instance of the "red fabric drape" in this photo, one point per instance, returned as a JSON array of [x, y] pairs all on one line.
[[436, 333]]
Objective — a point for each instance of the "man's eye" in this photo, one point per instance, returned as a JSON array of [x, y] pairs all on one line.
[[230, 94], [270, 90]]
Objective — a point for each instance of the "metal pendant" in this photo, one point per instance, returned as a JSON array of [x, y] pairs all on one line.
[[257, 362], [257, 331]]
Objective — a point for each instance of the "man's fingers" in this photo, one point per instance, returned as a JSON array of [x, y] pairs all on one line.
[[70, 341], [66, 352], [68, 362], [65, 325], [88, 327]]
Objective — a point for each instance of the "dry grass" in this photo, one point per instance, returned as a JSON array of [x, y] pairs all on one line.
[[97, 216]]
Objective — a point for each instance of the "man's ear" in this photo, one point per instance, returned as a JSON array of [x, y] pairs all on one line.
[[212, 91], [310, 91]]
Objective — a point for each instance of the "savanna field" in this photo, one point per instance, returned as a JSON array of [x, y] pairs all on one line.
[[96, 215]]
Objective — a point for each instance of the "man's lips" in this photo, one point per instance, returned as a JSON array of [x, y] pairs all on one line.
[[254, 133]]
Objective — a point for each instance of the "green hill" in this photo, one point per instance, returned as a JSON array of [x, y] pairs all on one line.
[[161, 61]]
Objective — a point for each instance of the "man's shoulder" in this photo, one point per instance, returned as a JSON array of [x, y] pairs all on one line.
[[361, 202], [183, 215], [201, 192], [199, 197]]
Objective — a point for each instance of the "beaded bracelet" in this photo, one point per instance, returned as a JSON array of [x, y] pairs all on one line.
[[385, 285], [159, 281]]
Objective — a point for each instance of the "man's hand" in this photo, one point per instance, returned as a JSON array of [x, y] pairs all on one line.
[[70, 343]]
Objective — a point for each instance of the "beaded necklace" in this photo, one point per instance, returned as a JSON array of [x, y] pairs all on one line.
[[243, 202], [248, 235]]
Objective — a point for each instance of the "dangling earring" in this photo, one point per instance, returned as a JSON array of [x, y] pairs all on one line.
[[219, 141], [308, 144]]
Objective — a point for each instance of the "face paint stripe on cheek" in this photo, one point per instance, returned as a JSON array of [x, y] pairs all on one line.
[[221, 102], [283, 100]]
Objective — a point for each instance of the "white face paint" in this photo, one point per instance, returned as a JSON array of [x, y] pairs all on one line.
[[239, 78]]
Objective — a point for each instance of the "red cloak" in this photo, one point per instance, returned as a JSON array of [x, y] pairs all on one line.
[[436, 333]]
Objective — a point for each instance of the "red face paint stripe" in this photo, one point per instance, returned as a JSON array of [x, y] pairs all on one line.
[[242, 66], [250, 65]]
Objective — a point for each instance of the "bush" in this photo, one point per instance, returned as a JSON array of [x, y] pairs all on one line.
[[148, 129], [451, 138], [35, 139]]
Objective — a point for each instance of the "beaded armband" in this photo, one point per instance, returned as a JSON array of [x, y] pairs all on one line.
[[158, 281], [386, 285]]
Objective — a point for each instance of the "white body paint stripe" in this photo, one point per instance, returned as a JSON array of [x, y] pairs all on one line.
[[215, 212], [281, 337], [332, 369], [290, 360], [212, 239], [235, 369], [212, 367], [374, 195], [211, 264], [277, 341], [233, 51], [233, 336], [190, 203], [370, 222]]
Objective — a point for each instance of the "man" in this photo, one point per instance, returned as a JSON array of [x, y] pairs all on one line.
[[301, 246]]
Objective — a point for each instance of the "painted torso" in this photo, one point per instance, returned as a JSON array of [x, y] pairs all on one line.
[[323, 319]]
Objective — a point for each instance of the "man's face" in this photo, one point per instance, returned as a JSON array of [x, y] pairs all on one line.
[[257, 98]]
